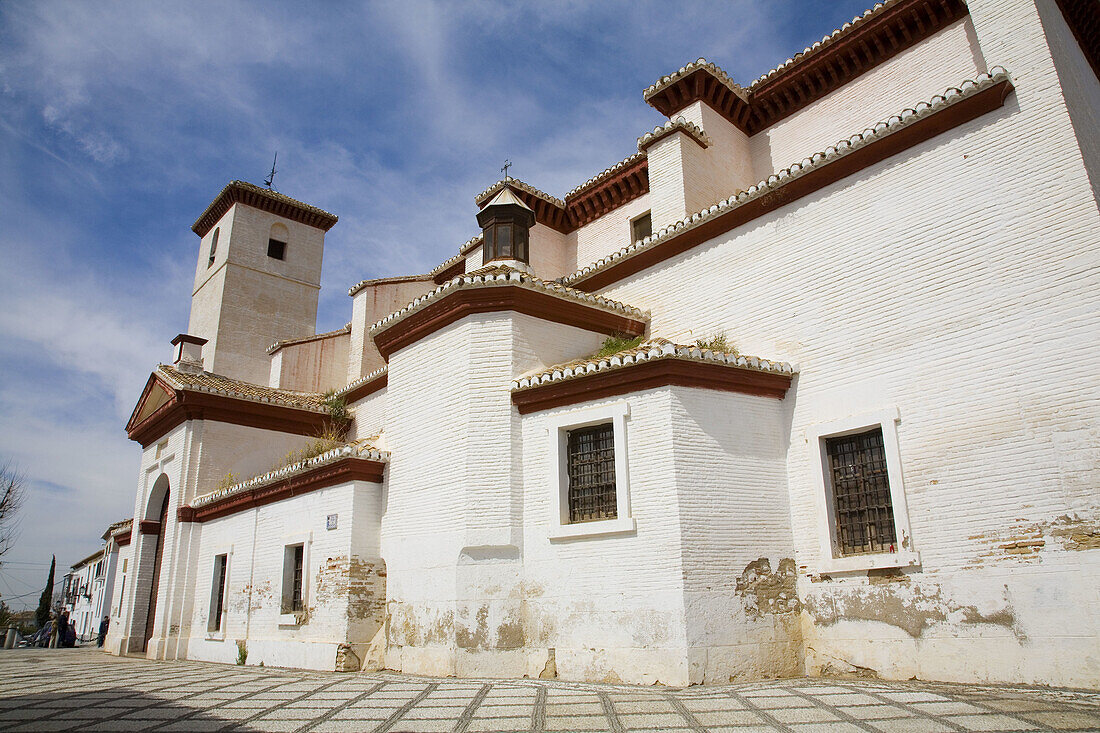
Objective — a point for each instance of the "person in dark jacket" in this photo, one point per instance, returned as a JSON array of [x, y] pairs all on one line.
[[103, 625]]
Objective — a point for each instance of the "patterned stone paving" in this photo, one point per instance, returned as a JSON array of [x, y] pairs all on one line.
[[86, 690]]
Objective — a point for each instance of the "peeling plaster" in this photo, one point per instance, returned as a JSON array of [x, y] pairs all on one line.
[[765, 592], [912, 607], [1025, 540]]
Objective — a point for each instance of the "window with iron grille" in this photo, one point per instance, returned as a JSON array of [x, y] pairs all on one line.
[[296, 591], [863, 508], [293, 596], [217, 593], [641, 227], [591, 470]]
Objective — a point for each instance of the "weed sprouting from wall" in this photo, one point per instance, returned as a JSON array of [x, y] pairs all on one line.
[[615, 344], [718, 343]]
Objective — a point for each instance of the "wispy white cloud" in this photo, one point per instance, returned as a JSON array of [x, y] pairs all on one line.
[[120, 120]]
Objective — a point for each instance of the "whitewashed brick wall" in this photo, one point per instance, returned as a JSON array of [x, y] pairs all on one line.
[[255, 541], [369, 305], [609, 233], [942, 281], [944, 60]]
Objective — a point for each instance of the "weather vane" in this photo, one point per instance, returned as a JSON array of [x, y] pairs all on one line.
[[271, 176], [504, 170]]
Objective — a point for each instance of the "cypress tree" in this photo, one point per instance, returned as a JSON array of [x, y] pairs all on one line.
[[42, 615]]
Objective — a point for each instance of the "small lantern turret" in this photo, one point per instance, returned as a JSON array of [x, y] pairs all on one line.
[[506, 225]]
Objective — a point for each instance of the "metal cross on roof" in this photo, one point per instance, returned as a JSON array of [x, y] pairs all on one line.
[[504, 170], [269, 181]]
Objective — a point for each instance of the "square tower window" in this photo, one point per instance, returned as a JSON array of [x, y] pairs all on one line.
[[276, 249], [641, 227]]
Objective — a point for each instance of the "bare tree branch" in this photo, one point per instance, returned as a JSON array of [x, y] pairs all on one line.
[[12, 494]]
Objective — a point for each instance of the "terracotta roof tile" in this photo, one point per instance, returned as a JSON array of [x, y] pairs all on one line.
[[361, 381], [516, 183], [265, 198], [677, 125], [315, 337], [354, 450], [217, 384], [653, 349], [825, 157], [502, 275]]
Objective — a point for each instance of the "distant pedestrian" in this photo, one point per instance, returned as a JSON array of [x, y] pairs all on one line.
[[55, 633], [106, 622], [68, 633]]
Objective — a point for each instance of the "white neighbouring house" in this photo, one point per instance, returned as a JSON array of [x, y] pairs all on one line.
[[89, 586], [900, 225]]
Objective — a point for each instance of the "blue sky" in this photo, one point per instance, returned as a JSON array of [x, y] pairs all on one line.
[[120, 121]]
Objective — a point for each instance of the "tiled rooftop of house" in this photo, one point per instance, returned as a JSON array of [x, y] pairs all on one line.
[[217, 384]]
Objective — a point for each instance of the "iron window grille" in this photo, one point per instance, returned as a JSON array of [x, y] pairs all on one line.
[[591, 469], [219, 591], [296, 588], [861, 493]]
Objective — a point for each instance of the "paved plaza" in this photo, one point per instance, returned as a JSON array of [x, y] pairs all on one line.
[[86, 690]]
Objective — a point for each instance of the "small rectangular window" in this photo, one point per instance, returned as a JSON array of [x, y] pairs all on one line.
[[591, 470], [862, 504], [293, 576], [276, 249], [641, 227], [213, 247], [217, 593]]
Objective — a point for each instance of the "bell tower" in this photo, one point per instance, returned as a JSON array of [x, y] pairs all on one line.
[[257, 279]]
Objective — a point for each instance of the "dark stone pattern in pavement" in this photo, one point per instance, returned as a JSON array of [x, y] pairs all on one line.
[[87, 690]]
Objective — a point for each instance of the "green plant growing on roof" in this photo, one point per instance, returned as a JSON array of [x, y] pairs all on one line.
[[615, 344], [337, 406], [718, 343], [229, 479]]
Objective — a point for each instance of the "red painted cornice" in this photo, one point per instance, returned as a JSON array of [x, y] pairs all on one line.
[[184, 405], [623, 186], [148, 526], [650, 375], [367, 388], [331, 474], [1083, 19], [617, 188], [463, 302], [458, 268], [876, 39], [876, 151], [265, 200]]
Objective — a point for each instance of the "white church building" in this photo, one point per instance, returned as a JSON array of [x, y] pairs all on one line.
[[810, 384]]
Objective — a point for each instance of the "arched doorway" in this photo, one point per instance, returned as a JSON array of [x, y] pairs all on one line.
[[158, 503]]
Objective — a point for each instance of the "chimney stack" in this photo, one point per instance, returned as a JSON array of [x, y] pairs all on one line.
[[188, 353]]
